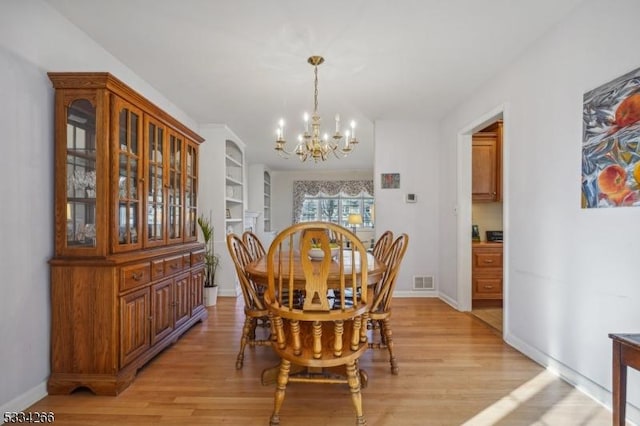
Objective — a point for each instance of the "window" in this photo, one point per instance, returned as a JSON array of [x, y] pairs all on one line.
[[337, 208]]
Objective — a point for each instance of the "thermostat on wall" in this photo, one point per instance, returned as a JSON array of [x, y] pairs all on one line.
[[411, 198]]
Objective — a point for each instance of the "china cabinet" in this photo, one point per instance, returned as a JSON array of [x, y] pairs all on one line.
[[127, 274], [234, 197]]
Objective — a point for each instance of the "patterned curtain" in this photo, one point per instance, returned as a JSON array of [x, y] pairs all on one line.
[[327, 187]]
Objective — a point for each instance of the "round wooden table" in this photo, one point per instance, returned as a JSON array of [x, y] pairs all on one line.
[[258, 271]]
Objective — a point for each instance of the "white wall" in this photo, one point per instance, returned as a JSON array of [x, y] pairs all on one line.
[[572, 273], [410, 149], [35, 39]]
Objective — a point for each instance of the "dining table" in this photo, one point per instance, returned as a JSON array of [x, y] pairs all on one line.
[[258, 272]]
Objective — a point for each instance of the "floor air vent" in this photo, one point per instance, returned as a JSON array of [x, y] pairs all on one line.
[[423, 283]]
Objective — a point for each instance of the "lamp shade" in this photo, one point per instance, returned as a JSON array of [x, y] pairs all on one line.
[[355, 219]]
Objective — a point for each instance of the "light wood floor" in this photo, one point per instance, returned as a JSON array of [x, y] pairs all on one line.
[[492, 316], [454, 370]]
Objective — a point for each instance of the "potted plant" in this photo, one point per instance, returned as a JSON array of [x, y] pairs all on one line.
[[211, 262]]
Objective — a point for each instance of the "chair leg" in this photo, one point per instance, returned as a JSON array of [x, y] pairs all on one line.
[[246, 330], [364, 328], [272, 329], [281, 385], [386, 328], [252, 333], [353, 377]]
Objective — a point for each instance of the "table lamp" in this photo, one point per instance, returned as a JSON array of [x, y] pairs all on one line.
[[354, 219]]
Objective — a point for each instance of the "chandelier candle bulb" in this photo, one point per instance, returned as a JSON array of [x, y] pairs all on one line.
[[337, 124]]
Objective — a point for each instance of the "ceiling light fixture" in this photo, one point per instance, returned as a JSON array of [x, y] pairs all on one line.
[[311, 144]]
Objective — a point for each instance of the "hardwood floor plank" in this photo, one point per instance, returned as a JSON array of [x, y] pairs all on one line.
[[454, 370]]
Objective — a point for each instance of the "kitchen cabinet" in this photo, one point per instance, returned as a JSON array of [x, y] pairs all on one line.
[[486, 271], [486, 182]]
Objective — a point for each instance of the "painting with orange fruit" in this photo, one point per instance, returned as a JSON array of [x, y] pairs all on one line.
[[611, 144]]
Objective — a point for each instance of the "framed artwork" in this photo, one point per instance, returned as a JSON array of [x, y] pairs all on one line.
[[228, 214], [611, 143], [475, 233], [390, 180]]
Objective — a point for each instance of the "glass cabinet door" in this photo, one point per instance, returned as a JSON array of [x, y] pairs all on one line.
[[175, 201], [190, 193], [128, 122], [81, 174], [155, 183]]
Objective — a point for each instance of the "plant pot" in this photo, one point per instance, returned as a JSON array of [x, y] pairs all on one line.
[[210, 296]]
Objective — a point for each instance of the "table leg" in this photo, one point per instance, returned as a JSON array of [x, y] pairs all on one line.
[[619, 388]]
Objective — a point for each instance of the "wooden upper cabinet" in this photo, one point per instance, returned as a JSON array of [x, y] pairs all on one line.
[[175, 187], [156, 182], [486, 181], [191, 192], [82, 173], [128, 149], [126, 172]]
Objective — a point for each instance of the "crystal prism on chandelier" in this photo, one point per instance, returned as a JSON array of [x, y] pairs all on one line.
[[311, 144]]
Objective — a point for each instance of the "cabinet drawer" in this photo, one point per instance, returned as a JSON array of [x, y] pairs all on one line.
[[489, 287], [491, 259], [157, 269], [172, 265], [134, 275], [197, 257]]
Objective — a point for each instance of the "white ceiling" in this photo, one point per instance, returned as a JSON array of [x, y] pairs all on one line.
[[244, 62]]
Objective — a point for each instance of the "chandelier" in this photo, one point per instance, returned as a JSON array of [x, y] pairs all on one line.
[[311, 144]]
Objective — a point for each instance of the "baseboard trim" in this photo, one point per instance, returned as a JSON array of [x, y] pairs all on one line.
[[27, 399], [415, 294], [582, 383], [449, 301]]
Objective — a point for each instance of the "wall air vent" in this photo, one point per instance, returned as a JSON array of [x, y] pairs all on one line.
[[423, 283]]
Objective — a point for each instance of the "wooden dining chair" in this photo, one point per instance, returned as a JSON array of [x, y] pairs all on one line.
[[382, 244], [253, 243], [255, 310], [323, 333], [378, 317]]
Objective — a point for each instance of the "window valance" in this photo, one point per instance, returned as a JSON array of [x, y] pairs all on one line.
[[327, 187]]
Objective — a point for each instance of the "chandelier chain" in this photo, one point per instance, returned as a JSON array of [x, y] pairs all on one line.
[[315, 93]]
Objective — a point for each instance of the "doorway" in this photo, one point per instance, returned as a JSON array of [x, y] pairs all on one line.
[[484, 290], [487, 227]]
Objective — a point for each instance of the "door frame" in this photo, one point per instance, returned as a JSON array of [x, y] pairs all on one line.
[[464, 220]]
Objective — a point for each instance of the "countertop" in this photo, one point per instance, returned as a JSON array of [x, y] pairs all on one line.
[[487, 243]]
